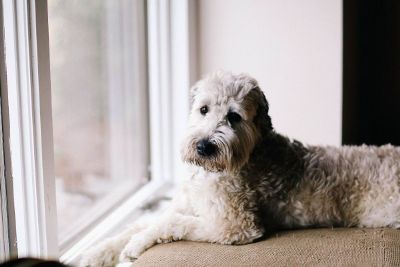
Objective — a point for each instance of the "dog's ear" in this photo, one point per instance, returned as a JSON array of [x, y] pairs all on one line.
[[262, 118]]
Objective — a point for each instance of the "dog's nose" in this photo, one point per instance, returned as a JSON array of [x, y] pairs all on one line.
[[205, 148]]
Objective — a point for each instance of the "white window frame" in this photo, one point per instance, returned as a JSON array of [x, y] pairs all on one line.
[[30, 126], [172, 69], [171, 38], [4, 234]]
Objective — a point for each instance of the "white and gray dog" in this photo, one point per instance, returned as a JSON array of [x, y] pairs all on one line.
[[247, 180]]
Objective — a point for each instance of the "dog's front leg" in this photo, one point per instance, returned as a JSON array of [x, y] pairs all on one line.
[[174, 226], [106, 253], [177, 226]]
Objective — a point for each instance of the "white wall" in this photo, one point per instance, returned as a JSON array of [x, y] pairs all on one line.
[[293, 48]]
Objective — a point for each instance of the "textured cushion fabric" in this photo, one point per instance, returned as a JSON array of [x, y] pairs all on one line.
[[313, 247]]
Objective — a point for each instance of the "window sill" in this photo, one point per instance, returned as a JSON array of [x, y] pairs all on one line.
[[139, 205]]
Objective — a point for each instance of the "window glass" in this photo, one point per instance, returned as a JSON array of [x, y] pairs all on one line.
[[99, 109]]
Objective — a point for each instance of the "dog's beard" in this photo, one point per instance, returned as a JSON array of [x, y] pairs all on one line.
[[227, 156], [233, 148]]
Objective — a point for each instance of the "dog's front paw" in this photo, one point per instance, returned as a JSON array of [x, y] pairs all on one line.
[[136, 246], [104, 255]]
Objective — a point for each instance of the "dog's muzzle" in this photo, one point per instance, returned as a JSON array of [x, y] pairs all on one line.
[[205, 148]]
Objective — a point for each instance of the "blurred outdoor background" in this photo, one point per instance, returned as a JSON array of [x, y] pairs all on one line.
[[98, 139]]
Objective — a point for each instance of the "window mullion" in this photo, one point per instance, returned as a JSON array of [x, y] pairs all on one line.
[[4, 236], [4, 218], [171, 28], [30, 137], [183, 75]]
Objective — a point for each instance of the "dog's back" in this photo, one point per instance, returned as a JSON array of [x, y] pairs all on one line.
[[346, 186]]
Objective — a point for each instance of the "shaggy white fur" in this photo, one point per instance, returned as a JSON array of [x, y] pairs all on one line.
[[247, 180]]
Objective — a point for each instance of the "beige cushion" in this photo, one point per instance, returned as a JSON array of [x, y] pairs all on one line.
[[314, 247]]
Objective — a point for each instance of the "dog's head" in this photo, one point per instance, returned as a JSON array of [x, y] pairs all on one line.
[[229, 115]]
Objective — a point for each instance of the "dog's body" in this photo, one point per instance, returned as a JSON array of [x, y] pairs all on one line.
[[246, 179]]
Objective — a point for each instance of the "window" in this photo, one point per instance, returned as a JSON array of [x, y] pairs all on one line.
[[90, 102], [99, 102]]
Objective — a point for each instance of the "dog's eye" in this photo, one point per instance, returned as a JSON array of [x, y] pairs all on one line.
[[233, 117], [203, 110]]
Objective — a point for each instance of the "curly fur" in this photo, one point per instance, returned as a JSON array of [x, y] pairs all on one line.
[[260, 181]]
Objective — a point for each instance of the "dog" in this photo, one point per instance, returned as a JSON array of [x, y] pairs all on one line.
[[246, 180]]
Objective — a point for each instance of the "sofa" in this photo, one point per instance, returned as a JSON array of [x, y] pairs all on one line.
[[311, 247]]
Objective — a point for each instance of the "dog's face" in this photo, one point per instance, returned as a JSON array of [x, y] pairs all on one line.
[[229, 114]]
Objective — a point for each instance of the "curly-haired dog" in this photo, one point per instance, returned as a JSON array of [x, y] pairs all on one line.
[[247, 179]]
